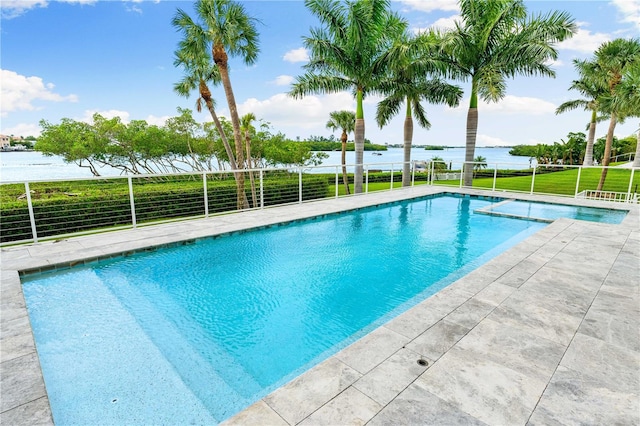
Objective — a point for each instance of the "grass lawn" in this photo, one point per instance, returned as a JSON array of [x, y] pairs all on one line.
[[561, 183]]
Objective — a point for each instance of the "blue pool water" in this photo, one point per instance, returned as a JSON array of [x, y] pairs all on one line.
[[545, 211], [194, 333]]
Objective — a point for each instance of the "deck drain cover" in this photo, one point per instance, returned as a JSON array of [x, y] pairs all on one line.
[[423, 362]]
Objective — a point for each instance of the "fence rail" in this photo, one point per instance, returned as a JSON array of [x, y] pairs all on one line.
[[31, 211]]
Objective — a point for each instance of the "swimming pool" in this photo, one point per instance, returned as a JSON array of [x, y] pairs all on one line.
[[200, 331]]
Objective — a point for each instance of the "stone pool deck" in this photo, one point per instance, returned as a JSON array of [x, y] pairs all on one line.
[[548, 332]]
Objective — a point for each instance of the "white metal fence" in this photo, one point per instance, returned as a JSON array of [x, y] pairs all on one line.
[[35, 210]]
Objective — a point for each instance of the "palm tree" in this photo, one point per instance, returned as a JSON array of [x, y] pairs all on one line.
[[495, 41], [479, 163], [246, 127], [409, 63], [198, 71], [628, 99], [613, 61], [224, 28], [345, 120], [343, 53], [591, 91]]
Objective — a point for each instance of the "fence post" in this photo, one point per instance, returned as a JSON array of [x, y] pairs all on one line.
[[300, 185], [261, 190], [432, 168], [462, 174], [630, 185], [578, 182], [366, 191], [495, 176], [413, 172], [337, 181], [533, 180], [32, 217], [131, 201], [206, 196], [391, 189]]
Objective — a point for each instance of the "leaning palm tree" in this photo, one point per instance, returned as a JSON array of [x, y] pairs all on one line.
[[628, 99], [591, 91], [199, 70], [409, 63], [225, 29], [343, 52], [495, 41], [246, 127], [346, 121], [613, 61]]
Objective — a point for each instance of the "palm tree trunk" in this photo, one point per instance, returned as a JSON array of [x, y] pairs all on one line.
[[408, 138], [359, 144], [636, 159], [588, 155], [345, 177], [254, 197], [220, 58], [472, 130], [607, 151]]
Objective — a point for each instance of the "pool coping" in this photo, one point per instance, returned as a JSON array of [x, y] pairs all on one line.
[[347, 381]]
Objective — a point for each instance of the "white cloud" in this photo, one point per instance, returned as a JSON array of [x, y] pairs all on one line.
[[283, 80], [629, 10], [297, 55], [431, 5], [14, 8], [18, 92], [584, 41], [108, 114], [157, 121], [307, 113], [23, 129], [447, 23], [511, 105], [485, 140]]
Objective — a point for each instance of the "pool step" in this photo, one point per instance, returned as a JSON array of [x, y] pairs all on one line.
[[190, 355]]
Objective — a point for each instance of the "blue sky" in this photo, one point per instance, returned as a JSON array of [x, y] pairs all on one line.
[[73, 58]]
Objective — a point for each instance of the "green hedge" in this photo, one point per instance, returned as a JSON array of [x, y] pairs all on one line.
[[155, 201]]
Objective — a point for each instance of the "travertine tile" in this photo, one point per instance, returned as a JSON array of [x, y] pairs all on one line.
[[388, 379], [417, 406], [305, 394], [21, 381], [17, 339], [351, 407], [372, 349], [571, 398], [32, 413], [437, 340], [616, 367], [488, 391], [514, 348], [258, 413]]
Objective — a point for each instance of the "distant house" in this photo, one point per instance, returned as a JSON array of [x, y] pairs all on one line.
[[5, 143]]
